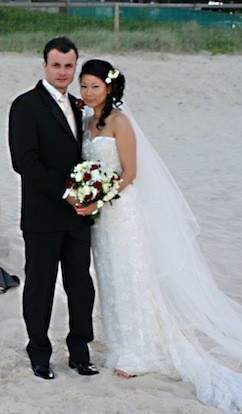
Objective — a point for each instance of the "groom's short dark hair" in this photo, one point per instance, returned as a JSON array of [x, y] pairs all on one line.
[[62, 44]]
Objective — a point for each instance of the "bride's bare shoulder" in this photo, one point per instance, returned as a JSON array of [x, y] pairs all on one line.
[[121, 126], [118, 117]]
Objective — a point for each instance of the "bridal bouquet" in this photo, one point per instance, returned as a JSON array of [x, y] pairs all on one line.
[[92, 181]]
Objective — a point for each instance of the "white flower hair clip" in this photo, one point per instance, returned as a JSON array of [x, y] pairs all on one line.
[[112, 74]]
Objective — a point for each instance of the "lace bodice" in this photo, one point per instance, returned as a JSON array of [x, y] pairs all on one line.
[[103, 149]]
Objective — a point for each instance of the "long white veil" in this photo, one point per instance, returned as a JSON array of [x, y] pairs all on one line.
[[206, 316]]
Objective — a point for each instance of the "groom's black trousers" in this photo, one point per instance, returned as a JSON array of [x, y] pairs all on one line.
[[43, 252]]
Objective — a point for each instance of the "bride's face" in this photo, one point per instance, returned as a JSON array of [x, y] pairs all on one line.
[[94, 91]]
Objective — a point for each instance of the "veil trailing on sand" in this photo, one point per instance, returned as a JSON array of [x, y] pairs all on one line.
[[205, 315]]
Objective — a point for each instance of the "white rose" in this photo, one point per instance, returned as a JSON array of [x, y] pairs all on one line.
[[95, 173], [106, 187], [109, 196], [100, 203], [77, 167], [94, 192], [78, 177], [73, 193], [80, 194], [86, 190], [84, 165]]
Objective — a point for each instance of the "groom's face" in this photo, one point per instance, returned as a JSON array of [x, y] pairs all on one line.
[[60, 69]]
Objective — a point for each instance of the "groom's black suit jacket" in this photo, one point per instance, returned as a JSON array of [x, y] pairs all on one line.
[[44, 151]]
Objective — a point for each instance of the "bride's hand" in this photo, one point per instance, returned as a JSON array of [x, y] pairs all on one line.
[[86, 211]]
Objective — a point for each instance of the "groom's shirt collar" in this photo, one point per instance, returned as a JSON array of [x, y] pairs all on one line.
[[53, 91]]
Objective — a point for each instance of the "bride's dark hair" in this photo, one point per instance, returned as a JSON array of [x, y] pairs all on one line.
[[104, 70]]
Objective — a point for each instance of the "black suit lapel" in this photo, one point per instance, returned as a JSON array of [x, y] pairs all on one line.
[[55, 109], [78, 115], [78, 118]]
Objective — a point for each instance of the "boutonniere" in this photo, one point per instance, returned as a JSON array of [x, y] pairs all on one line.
[[80, 105]]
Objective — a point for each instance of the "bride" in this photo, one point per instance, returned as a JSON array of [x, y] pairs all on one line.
[[161, 309]]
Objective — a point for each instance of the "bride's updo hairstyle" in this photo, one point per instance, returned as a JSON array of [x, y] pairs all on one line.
[[112, 77]]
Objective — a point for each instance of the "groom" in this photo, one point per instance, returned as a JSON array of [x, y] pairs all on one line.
[[45, 136]]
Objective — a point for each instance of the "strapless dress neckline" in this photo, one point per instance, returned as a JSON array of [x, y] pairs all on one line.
[[87, 136]]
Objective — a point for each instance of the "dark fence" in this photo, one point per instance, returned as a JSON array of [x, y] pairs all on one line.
[[156, 13], [214, 13]]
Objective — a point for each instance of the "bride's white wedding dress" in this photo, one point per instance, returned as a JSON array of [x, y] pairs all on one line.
[[161, 310]]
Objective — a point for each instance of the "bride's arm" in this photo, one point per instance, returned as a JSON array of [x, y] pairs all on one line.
[[126, 145]]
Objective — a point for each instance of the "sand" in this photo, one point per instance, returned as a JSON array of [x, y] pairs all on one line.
[[191, 109]]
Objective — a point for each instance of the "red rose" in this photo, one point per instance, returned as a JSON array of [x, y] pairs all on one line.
[[99, 196], [88, 197], [97, 185], [87, 177], [68, 183], [94, 167]]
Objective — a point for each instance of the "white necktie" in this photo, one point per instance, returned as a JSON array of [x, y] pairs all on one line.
[[66, 108]]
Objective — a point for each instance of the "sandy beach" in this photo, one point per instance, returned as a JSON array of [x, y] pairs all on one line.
[[190, 107]]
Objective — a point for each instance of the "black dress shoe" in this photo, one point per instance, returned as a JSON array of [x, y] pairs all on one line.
[[84, 368], [43, 371]]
